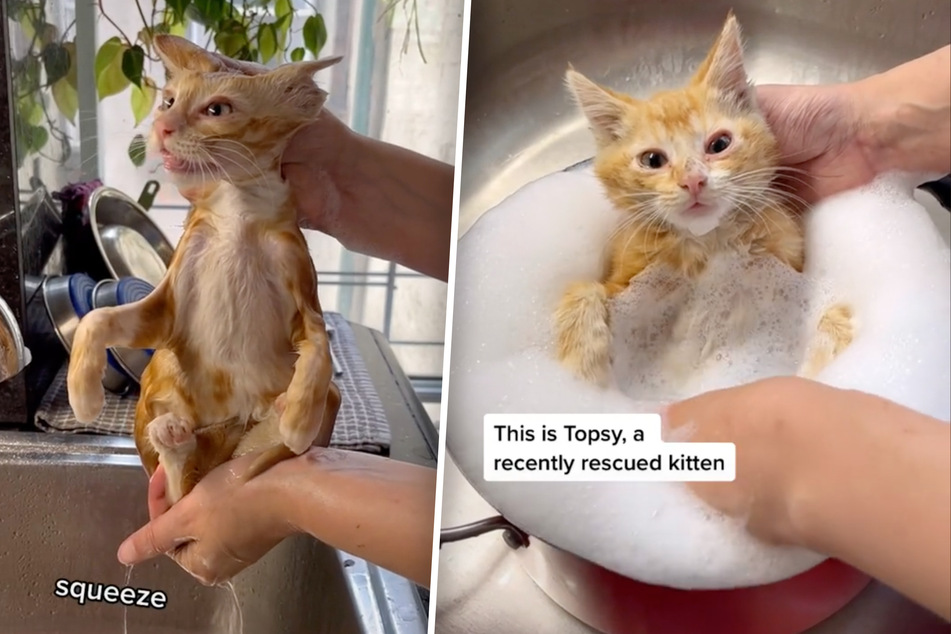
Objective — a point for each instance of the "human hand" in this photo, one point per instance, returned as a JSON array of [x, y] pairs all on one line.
[[221, 527], [316, 163], [819, 129], [753, 417]]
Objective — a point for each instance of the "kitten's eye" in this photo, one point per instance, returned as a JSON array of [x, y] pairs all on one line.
[[167, 102], [218, 109], [720, 143], [653, 159]]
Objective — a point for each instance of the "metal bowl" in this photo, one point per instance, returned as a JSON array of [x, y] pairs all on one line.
[[126, 290], [521, 125], [130, 243], [14, 355]]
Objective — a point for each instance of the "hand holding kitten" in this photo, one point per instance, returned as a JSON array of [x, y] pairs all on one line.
[[843, 135], [374, 197]]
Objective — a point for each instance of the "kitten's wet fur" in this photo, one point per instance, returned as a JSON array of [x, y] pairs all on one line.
[[694, 171], [242, 358]]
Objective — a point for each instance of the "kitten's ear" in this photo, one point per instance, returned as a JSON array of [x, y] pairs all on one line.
[[178, 54], [723, 68], [297, 72], [603, 109], [296, 82]]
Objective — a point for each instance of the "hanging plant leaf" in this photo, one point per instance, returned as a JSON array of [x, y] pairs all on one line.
[[315, 34], [38, 138], [283, 27], [110, 80], [56, 62], [66, 98], [72, 76], [267, 42], [31, 109], [178, 8], [297, 54], [28, 79], [282, 8], [143, 98], [232, 39], [208, 13], [133, 61], [29, 20], [137, 150]]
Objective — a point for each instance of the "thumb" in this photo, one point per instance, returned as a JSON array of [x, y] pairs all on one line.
[[158, 504], [155, 538]]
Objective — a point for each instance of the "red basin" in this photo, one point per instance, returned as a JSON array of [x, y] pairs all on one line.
[[618, 605]]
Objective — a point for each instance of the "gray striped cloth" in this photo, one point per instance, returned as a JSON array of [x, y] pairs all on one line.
[[361, 423]]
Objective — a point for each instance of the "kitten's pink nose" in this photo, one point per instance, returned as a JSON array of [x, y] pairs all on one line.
[[693, 183], [164, 128]]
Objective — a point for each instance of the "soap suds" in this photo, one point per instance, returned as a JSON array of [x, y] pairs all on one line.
[[874, 248]]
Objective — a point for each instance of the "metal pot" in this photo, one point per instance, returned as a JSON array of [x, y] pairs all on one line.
[[14, 355], [520, 126]]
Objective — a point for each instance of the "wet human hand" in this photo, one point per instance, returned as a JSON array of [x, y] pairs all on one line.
[[754, 418], [820, 133], [221, 527]]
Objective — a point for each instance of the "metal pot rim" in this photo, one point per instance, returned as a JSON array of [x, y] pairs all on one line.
[[12, 326]]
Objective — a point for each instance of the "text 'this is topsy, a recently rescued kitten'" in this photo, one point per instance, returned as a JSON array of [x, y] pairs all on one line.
[[693, 170], [242, 358]]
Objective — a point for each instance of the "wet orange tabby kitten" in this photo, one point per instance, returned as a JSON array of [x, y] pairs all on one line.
[[693, 169], [242, 359]]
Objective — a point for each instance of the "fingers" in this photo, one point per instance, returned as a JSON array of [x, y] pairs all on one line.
[[159, 536], [157, 502]]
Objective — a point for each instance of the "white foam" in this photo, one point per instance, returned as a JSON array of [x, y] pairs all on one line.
[[875, 248]]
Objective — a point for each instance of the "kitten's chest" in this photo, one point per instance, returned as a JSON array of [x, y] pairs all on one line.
[[238, 303]]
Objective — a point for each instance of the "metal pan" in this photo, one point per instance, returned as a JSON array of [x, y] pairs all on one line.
[[130, 243]]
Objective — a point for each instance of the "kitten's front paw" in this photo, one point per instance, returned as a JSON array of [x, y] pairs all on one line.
[[84, 382], [835, 333], [583, 332]]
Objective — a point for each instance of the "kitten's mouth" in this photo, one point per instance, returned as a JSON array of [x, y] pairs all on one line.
[[697, 208], [177, 165]]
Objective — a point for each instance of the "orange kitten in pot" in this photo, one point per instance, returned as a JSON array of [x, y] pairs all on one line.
[[242, 358], [693, 169]]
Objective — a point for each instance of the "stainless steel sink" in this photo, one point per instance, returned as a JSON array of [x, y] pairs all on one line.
[[66, 502]]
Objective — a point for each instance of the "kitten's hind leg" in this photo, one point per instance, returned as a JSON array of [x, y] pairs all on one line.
[[174, 440], [583, 331], [267, 434], [835, 332]]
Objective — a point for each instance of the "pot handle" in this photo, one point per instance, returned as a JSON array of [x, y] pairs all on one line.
[[513, 536], [147, 197], [940, 189]]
